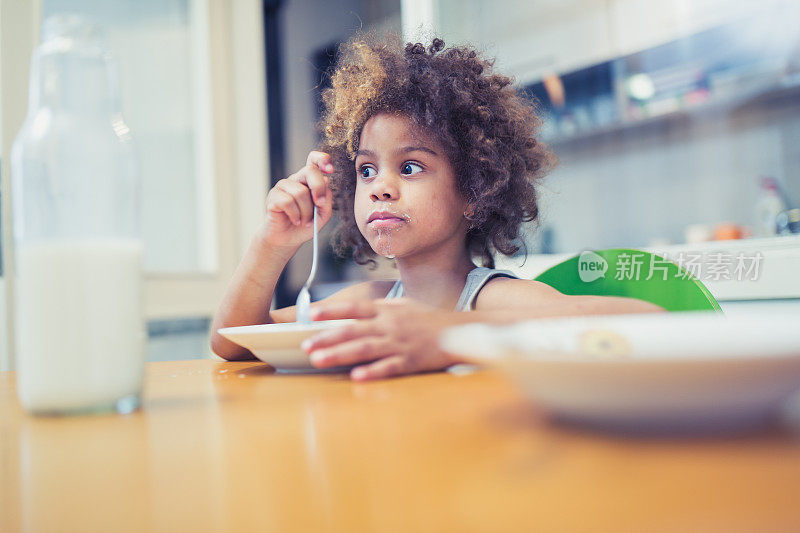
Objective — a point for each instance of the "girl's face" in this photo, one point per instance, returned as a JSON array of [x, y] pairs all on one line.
[[406, 199]]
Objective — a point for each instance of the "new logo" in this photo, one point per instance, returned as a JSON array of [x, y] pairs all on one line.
[[591, 266]]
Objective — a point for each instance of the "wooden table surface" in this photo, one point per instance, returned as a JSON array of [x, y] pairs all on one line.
[[234, 447]]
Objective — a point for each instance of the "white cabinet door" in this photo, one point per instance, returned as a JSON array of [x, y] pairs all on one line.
[[530, 39], [536, 37], [639, 24], [566, 38]]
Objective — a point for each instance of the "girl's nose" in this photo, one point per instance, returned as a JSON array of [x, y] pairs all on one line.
[[383, 190]]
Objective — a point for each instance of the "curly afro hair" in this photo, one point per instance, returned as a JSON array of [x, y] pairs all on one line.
[[488, 131]]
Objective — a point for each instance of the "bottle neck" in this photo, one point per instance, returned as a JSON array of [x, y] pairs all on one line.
[[73, 83]]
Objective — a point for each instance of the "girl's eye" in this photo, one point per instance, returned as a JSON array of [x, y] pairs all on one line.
[[411, 168], [367, 172]]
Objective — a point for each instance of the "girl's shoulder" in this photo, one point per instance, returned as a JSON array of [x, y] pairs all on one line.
[[502, 293]]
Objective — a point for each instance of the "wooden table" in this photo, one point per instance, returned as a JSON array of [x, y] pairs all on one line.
[[234, 447]]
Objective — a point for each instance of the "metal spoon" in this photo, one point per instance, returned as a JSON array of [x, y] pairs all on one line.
[[303, 306]]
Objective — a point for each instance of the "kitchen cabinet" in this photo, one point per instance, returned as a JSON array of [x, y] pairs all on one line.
[[529, 39], [639, 24], [533, 39]]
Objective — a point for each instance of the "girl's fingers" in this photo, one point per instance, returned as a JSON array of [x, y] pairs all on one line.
[[353, 352], [328, 208], [340, 310], [321, 160], [285, 203], [395, 365], [364, 328], [301, 196], [317, 183]]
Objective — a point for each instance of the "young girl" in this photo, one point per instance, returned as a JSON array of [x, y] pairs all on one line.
[[430, 158]]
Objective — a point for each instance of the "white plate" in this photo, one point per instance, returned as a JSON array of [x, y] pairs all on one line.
[[279, 344], [702, 371]]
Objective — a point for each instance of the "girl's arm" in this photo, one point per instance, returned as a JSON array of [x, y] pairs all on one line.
[[401, 336], [249, 295], [504, 298], [287, 225]]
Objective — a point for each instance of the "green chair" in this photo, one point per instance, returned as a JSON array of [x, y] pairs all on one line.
[[631, 273]]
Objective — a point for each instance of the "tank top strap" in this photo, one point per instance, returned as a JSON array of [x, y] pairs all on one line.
[[396, 291], [476, 280]]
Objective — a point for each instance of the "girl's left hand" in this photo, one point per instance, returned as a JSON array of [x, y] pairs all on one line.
[[392, 338]]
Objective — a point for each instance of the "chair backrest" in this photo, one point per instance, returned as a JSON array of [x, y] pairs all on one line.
[[631, 273]]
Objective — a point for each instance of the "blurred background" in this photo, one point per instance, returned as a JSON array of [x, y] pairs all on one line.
[[676, 122]]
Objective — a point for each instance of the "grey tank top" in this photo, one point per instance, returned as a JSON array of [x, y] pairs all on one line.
[[476, 279]]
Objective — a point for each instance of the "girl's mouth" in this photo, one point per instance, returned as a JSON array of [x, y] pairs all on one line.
[[385, 220]]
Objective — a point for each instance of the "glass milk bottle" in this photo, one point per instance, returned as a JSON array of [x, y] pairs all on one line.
[[75, 193]]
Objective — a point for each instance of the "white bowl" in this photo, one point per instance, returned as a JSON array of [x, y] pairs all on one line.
[[279, 344], [675, 371]]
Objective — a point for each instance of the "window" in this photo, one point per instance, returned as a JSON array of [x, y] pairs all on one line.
[[162, 102], [192, 84]]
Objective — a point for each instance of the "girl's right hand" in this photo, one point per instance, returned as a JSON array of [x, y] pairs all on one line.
[[290, 203]]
